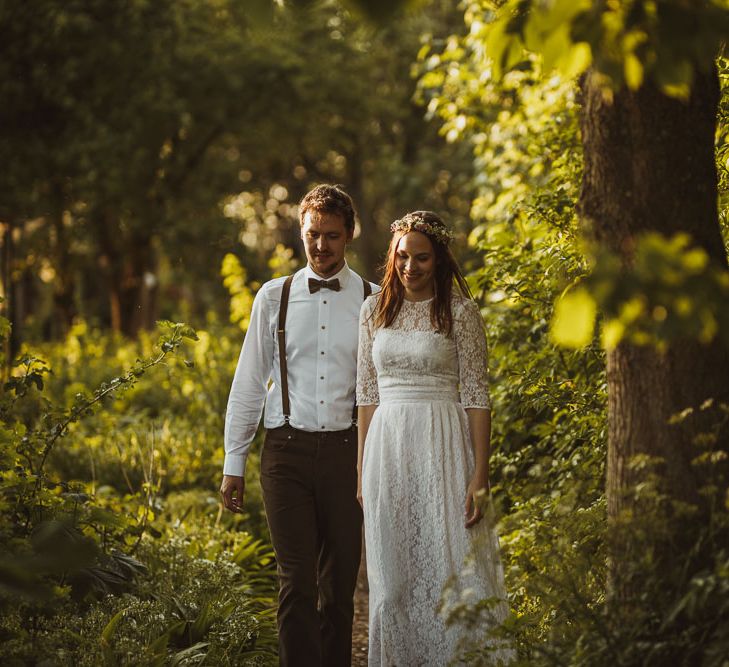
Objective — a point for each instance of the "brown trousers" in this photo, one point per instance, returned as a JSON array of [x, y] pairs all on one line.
[[309, 483]]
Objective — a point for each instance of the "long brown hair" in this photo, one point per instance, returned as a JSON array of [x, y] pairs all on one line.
[[447, 273]]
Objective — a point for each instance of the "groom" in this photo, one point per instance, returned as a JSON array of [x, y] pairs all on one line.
[[303, 336]]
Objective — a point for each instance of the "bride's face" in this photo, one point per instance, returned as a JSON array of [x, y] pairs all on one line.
[[415, 264]]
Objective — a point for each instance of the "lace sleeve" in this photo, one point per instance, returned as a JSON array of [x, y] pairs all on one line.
[[367, 390], [472, 355]]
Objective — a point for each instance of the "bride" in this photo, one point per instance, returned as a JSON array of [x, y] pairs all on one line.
[[424, 430]]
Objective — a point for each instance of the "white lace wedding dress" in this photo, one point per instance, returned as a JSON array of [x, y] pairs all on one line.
[[418, 461]]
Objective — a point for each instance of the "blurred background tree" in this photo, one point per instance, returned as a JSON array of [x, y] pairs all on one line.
[[137, 136]]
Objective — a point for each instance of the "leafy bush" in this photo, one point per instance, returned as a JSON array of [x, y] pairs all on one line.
[[190, 602], [111, 553], [167, 430]]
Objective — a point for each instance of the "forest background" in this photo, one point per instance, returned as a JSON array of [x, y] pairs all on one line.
[[153, 157]]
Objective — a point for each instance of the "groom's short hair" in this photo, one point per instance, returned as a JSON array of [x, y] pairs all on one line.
[[328, 199]]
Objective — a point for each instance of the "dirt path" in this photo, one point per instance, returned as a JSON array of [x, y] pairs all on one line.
[[359, 631]]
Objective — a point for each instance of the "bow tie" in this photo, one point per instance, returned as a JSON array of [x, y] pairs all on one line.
[[315, 285]]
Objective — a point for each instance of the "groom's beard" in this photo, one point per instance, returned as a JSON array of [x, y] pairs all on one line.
[[326, 268]]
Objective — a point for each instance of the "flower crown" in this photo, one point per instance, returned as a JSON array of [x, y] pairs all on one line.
[[409, 224]]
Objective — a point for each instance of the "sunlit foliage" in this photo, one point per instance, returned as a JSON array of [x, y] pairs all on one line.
[[544, 289], [113, 551]]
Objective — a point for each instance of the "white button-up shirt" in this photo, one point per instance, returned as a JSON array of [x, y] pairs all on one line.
[[321, 355]]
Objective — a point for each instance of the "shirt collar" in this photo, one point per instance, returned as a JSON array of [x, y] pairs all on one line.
[[342, 274]]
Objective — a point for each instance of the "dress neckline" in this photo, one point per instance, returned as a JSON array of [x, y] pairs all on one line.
[[417, 302]]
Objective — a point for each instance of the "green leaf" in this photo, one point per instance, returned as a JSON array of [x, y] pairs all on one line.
[[129, 565], [633, 70], [191, 652], [575, 61], [573, 322], [159, 646], [110, 627], [555, 46], [612, 333], [497, 44], [695, 260], [186, 331]]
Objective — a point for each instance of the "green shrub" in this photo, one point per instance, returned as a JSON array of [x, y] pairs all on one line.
[[113, 552]]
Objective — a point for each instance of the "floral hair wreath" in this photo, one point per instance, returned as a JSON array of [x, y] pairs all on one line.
[[410, 224]]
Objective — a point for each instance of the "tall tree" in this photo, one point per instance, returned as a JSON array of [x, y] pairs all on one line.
[[649, 166]]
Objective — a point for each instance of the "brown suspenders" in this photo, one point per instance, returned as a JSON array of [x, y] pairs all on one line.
[[281, 333], [282, 347]]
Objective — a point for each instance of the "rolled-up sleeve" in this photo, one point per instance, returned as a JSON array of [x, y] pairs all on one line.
[[250, 385]]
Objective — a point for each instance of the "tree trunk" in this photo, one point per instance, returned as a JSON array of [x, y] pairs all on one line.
[[64, 306], [367, 242], [137, 287], [130, 267], [9, 348], [649, 166]]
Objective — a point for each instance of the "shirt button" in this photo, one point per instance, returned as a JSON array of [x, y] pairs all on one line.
[[324, 302], [323, 426], [322, 402], [323, 327], [322, 351], [321, 377]]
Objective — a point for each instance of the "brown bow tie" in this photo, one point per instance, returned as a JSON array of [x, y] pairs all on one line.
[[315, 285]]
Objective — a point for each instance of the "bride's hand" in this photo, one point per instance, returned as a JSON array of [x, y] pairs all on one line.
[[476, 488], [359, 493]]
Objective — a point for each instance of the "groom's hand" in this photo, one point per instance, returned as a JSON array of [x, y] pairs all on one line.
[[231, 490]]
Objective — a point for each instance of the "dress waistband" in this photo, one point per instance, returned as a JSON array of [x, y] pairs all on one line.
[[404, 394]]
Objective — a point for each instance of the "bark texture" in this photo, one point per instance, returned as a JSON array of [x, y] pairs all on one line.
[[649, 166]]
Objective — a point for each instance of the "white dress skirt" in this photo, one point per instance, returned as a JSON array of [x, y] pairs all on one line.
[[418, 461]]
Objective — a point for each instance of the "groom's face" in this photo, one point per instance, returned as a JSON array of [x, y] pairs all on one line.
[[325, 239]]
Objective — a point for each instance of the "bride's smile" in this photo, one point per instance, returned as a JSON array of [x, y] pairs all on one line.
[[415, 265]]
